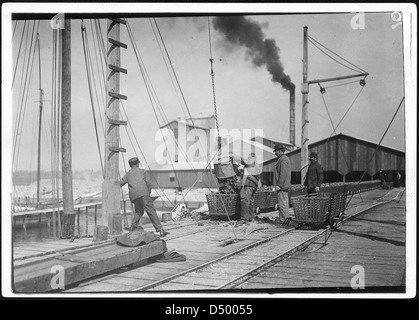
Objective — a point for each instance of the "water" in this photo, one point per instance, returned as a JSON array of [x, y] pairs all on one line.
[[41, 232]]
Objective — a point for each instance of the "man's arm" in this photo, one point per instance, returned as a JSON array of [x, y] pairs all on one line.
[[148, 181], [319, 175], [283, 173], [123, 181]]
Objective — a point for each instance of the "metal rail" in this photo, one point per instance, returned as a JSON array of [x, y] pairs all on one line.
[[253, 272]]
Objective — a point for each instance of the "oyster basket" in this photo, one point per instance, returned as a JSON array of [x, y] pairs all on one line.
[[312, 210], [220, 204]]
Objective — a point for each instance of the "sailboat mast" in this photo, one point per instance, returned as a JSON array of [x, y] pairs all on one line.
[[40, 124]]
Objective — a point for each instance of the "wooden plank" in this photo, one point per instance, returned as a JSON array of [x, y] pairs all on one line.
[[117, 122], [117, 20], [117, 149], [37, 278], [335, 275], [118, 43], [117, 95], [117, 69]]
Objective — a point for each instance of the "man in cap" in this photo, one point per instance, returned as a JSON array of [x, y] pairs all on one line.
[[250, 183], [139, 193], [314, 176], [282, 182]]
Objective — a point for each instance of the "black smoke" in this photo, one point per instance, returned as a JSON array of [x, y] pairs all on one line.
[[241, 31]]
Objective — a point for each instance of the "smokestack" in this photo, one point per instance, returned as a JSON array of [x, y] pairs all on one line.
[[292, 116]]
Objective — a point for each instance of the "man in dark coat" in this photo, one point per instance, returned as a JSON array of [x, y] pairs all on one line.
[[282, 182], [314, 176], [139, 193]]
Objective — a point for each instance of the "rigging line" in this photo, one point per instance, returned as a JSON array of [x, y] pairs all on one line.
[[83, 31], [14, 28], [340, 146], [18, 53], [158, 102], [152, 105], [145, 159], [24, 103], [101, 72], [167, 68], [332, 57], [161, 110], [132, 130], [353, 102], [180, 89], [21, 91], [336, 54], [92, 76], [173, 70], [342, 84], [190, 188], [388, 127], [141, 69]]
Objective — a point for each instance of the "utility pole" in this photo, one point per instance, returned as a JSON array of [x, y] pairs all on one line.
[[38, 179], [304, 116], [304, 90], [111, 196], [68, 205]]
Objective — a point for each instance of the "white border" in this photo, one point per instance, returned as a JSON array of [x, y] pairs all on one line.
[[410, 66]]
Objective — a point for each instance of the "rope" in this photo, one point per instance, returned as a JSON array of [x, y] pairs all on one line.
[[311, 38], [18, 52], [167, 68], [83, 30], [24, 101], [340, 146], [161, 111]]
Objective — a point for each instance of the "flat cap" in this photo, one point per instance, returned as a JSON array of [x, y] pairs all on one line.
[[133, 161], [279, 146]]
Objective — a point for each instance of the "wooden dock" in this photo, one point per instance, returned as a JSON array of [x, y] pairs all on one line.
[[376, 243], [373, 243], [374, 240]]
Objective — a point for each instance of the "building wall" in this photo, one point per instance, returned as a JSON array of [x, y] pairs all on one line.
[[187, 179], [344, 154]]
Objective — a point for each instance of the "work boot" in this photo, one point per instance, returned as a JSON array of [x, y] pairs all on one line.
[[163, 233]]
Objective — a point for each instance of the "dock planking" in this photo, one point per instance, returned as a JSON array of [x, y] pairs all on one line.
[[38, 276], [364, 241]]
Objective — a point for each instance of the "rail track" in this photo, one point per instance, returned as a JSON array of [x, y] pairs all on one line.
[[235, 268]]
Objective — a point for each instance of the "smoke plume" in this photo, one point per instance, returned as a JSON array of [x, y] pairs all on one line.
[[241, 31]]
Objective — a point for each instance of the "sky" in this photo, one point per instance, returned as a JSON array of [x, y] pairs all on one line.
[[245, 95]]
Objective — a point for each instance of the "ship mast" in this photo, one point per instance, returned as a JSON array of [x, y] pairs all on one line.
[[40, 124]]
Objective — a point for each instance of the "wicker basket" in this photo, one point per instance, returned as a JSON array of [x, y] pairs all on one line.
[[312, 210], [222, 204], [337, 204]]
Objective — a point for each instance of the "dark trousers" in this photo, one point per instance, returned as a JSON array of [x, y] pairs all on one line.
[[311, 191], [145, 203], [247, 194]]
